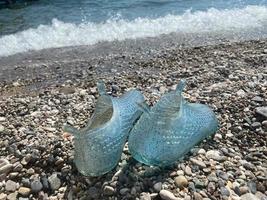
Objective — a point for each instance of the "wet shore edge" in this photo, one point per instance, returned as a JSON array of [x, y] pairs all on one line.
[[42, 91]]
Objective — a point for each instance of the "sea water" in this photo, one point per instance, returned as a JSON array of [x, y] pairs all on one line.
[[40, 24]]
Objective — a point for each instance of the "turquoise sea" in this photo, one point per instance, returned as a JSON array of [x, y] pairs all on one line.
[[40, 24]]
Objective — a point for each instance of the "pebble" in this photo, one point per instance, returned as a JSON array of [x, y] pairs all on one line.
[[36, 186], [198, 162], [157, 186], [215, 155], [243, 189], [123, 191], [12, 196], [256, 125], [54, 182], [188, 171], [167, 195], [2, 128], [224, 191], [197, 196], [11, 186], [249, 196], [108, 190], [252, 187], [24, 191], [241, 93], [181, 182], [257, 99], [5, 166], [262, 111], [3, 196], [2, 119], [145, 196]]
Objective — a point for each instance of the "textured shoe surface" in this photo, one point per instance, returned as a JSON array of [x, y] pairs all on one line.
[[99, 145], [170, 129]]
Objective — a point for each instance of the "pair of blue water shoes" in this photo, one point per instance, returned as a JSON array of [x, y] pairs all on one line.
[[157, 136]]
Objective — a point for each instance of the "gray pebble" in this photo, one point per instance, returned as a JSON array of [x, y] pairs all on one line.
[[54, 182], [36, 186], [108, 190], [11, 186]]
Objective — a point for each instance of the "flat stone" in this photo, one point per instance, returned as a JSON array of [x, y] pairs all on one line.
[[5, 166], [24, 191], [11, 186], [249, 196], [257, 99], [215, 155], [3, 196], [167, 195], [181, 182], [108, 190], [54, 182], [198, 162], [262, 111]]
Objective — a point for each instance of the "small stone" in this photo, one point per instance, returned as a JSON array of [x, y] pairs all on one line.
[[83, 92], [262, 111], [2, 128], [123, 191], [3, 196], [12, 196], [211, 187], [257, 99], [167, 195], [241, 93], [181, 182], [188, 171], [157, 186], [54, 182], [11, 186], [252, 187], [2, 119], [256, 125], [224, 191], [264, 124], [93, 192], [249, 196], [145, 196], [197, 196], [180, 172], [215, 155], [5, 166], [26, 182], [243, 190], [108, 190], [198, 162], [24, 191], [36, 186], [201, 151]]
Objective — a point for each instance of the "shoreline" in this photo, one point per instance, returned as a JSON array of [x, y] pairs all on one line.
[[38, 156]]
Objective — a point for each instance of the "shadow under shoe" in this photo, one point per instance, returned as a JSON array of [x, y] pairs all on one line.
[[98, 146], [167, 131]]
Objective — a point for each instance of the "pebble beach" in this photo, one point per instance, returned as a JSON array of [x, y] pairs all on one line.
[[58, 86]]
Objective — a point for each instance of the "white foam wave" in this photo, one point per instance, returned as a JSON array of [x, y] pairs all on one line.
[[60, 34]]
